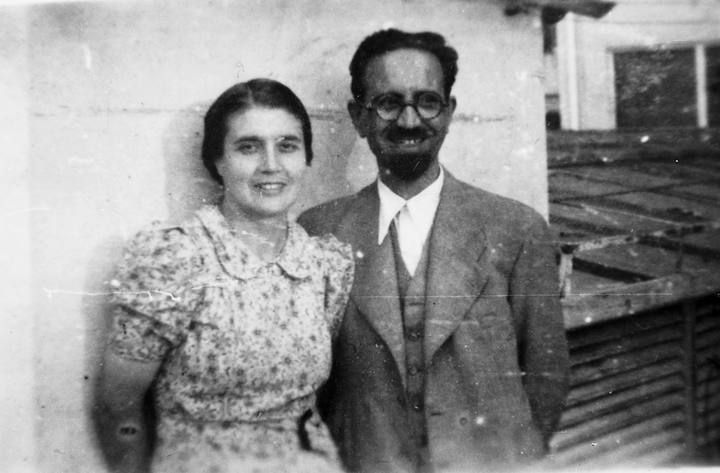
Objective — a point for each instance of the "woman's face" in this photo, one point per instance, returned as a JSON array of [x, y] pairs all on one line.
[[263, 162]]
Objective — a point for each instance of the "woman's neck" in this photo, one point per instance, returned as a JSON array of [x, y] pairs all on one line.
[[264, 236]]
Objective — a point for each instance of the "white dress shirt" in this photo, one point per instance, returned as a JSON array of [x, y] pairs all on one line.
[[413, 218]]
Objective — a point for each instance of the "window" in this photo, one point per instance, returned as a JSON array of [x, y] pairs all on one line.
[[712, 53], [655, 88]]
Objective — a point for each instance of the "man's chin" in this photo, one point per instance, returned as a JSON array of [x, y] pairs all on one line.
[[407, 169]]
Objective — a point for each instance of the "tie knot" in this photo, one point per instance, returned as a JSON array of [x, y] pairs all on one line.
[[404, 212]]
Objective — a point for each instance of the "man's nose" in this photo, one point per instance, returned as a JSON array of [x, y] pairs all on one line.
[[408, 117]]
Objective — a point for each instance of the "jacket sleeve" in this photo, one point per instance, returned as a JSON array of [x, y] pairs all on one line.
[[543, 349]]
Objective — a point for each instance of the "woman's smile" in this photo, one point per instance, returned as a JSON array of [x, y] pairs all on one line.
[[270, 188]]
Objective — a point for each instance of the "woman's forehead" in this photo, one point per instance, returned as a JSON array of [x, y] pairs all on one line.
[[263, 122]]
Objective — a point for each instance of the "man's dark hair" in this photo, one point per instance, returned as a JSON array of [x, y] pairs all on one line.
[[384, 41], [262, 93]]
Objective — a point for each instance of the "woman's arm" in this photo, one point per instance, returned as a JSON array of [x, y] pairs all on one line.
[[122, 424]]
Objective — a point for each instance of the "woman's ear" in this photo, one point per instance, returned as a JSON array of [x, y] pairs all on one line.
[[357, 115]]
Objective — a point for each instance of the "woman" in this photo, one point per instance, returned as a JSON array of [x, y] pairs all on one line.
[[229, 316]]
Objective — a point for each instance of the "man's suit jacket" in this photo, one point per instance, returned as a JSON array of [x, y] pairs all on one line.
[[495, 350]]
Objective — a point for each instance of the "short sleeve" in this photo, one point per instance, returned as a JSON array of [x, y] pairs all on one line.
[[339, 272], [152, 294]]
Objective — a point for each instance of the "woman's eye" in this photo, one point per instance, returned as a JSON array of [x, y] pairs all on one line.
[[288, 147], [246, 148]]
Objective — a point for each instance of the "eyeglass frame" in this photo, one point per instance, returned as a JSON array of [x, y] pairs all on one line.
[[372, 105]]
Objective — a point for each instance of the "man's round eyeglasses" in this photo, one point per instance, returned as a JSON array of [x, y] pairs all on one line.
[[427, 105]]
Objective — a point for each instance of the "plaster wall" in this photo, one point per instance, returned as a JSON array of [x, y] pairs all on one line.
[[17, 311], [632, 24], [103, 126]]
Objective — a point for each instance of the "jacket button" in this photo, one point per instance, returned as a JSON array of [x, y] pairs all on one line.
[[463, 421]]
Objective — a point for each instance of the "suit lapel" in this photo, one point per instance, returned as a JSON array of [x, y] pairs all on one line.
[[375, 290], [455, 277]]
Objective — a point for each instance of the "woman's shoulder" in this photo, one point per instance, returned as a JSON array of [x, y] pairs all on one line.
[[162, 248], [156, 274], [327, 247]]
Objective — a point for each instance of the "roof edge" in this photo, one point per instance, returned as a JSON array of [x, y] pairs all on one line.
[[591, 8]]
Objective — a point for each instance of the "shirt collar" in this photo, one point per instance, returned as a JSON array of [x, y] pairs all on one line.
[[239, 262], [421, 205]]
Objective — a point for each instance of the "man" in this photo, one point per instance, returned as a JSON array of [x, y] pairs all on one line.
[[452, 353]]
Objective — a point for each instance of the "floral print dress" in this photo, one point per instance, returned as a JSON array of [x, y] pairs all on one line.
[[244, 344]]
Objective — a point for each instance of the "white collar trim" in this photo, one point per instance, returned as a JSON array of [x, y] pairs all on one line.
[[422, 207]]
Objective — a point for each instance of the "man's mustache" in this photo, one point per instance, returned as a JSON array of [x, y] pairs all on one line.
[[396, 134]]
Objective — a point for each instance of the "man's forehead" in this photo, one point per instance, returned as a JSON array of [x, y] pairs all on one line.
[[412, 68]]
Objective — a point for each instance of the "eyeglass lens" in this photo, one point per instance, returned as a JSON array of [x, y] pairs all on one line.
[[427, 105]]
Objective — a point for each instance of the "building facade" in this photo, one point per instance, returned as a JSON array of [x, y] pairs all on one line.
[[646, 64]]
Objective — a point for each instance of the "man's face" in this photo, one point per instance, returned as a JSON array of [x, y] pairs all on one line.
[[408, 146]]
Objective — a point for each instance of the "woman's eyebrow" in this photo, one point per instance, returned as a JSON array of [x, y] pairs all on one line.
[[288, 138], [247, 138]]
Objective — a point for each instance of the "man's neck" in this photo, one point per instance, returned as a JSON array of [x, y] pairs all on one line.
[[409, 189]]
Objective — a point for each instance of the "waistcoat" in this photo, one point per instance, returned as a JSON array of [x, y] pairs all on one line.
[[412, 307]]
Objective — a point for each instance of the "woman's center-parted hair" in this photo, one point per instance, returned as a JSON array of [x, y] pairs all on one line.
[[261, 93]]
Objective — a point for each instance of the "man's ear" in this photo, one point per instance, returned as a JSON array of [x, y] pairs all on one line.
[[452, 104], [357, 115]]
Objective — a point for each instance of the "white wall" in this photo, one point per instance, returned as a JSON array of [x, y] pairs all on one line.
[[102, 110], [631, 24], [17, 340]]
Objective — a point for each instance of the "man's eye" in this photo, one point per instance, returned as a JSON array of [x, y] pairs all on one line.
[[429, 100], [388, 103]]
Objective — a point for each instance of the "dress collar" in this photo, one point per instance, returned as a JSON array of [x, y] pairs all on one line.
[[239, 262]]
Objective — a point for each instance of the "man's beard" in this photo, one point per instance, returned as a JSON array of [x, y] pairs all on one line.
[[410, 166], [406, 167]]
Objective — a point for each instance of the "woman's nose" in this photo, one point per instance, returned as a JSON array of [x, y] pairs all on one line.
[[270, 161], [408, 117]]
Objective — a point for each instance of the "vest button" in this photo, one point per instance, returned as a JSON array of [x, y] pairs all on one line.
[[414, 335]]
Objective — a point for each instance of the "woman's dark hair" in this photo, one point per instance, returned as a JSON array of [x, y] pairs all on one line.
[[264, 93], [384, 41]]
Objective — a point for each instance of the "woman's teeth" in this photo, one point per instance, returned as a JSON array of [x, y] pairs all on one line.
[[271, 186]]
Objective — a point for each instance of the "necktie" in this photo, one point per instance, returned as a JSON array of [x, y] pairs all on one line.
[[408, 239]]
